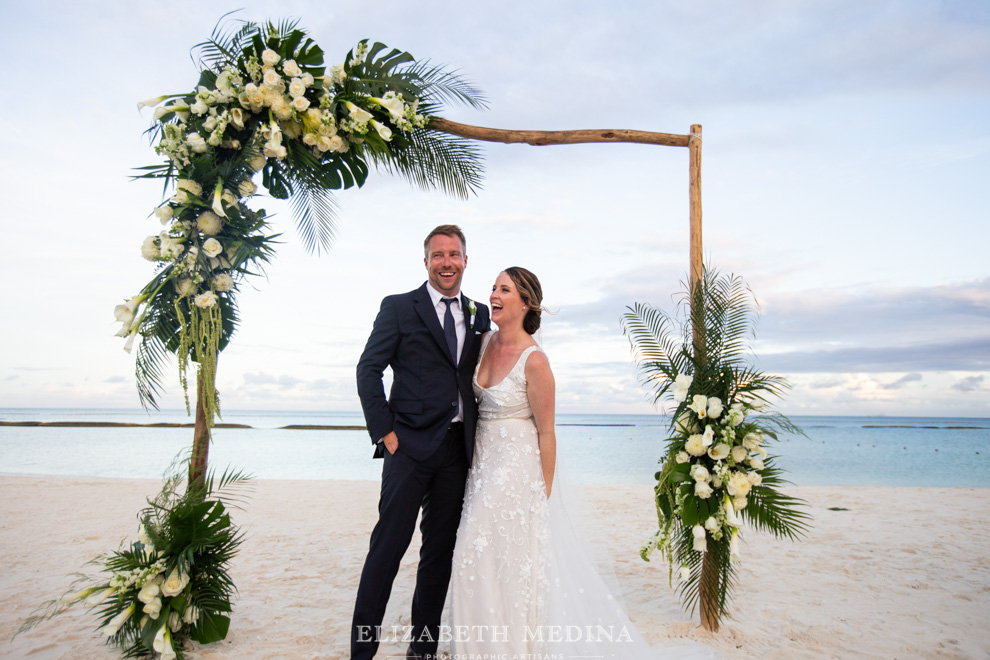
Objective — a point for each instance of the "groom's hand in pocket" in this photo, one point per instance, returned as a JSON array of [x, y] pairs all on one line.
[[391, 442]]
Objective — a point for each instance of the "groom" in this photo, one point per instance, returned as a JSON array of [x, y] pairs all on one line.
[[425, 431]]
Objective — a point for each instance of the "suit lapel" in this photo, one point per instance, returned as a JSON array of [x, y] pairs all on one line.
[[428, 313]]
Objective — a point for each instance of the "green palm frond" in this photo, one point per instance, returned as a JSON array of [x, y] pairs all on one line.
[[150, 360], [656, 348], [440, 85], [770, 510], [225, 43], [433, 160]]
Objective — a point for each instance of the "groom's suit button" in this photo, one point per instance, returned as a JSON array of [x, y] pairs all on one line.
[[453, 403]]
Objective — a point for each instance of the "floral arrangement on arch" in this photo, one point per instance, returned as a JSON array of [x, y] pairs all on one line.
[[716, 472], [171, 585], [266, 105]]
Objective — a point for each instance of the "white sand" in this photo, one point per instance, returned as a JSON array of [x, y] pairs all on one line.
[[904, 573]]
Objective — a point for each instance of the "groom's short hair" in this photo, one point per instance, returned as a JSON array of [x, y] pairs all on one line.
[[446, 230]]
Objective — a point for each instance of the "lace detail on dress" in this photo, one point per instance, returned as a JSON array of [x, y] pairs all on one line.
[[500, 571]]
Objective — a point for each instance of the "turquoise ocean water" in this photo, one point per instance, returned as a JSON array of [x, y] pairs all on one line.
[[601, 449]]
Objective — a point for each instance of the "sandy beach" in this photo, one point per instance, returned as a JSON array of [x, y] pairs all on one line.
[[885, 572]]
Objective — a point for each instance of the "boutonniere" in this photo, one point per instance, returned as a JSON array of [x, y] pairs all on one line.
[[472, 309]]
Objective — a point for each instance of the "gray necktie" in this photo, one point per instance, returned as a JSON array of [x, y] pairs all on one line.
[[449, 330]]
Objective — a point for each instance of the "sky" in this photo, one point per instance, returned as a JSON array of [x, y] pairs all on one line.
[[846, 155]]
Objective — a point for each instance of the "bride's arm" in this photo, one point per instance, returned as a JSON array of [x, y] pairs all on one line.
[[540, 389]]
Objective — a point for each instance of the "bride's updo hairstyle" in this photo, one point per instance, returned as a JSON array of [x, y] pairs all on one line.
[[528, 286]]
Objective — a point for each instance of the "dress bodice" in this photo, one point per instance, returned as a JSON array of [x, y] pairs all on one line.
[[508, 398]]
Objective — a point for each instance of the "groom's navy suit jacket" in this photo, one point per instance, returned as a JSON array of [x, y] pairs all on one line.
[[407, 336]]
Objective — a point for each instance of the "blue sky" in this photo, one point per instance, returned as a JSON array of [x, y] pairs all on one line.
[[846, 160]]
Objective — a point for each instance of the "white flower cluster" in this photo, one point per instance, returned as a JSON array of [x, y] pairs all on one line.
[[733, 460]]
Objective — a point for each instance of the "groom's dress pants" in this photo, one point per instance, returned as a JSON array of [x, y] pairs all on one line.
[[436, 484]]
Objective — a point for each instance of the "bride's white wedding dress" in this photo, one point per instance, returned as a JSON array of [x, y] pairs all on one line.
[[522, 585]]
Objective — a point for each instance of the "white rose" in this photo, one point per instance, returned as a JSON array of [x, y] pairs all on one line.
[[300, 103], [210, 123], [271, 78], [246, 188], [738, 484], [209, 223], [755, 478], [700, 541], [149, 592], [297, 88], [185, 286], [256, 164], [739, 503], [739, 454], [752, 440], [269, 57], [719, 451], [338, 144], [307, 79], [681, 385], [197, 143], [703, 490], [223, 282], [714, 407], [762, 452], [273, 150], [685, 574], [683, 457], [164, 213], [699, 404], [186, 187], [174, 583], [756, 463], [191, 615], [384, 132], [695, 445], [699, 472], [291, 69], [711, 524], [199, 107], [228, 197], [212, 247], [736, 417], [205, 300], [149, 248]]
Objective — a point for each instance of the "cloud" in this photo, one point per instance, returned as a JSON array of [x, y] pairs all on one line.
[[902, 381], [970, 384], [261, 378], [943, 356], [872, 329], [116, 379]]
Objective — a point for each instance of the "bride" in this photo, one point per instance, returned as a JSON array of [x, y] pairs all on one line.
[[522, 585]]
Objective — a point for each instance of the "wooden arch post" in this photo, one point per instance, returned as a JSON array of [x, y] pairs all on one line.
[[708, 584]]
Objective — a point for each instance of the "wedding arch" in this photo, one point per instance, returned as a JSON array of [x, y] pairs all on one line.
[[708, 584], [266, 104]]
